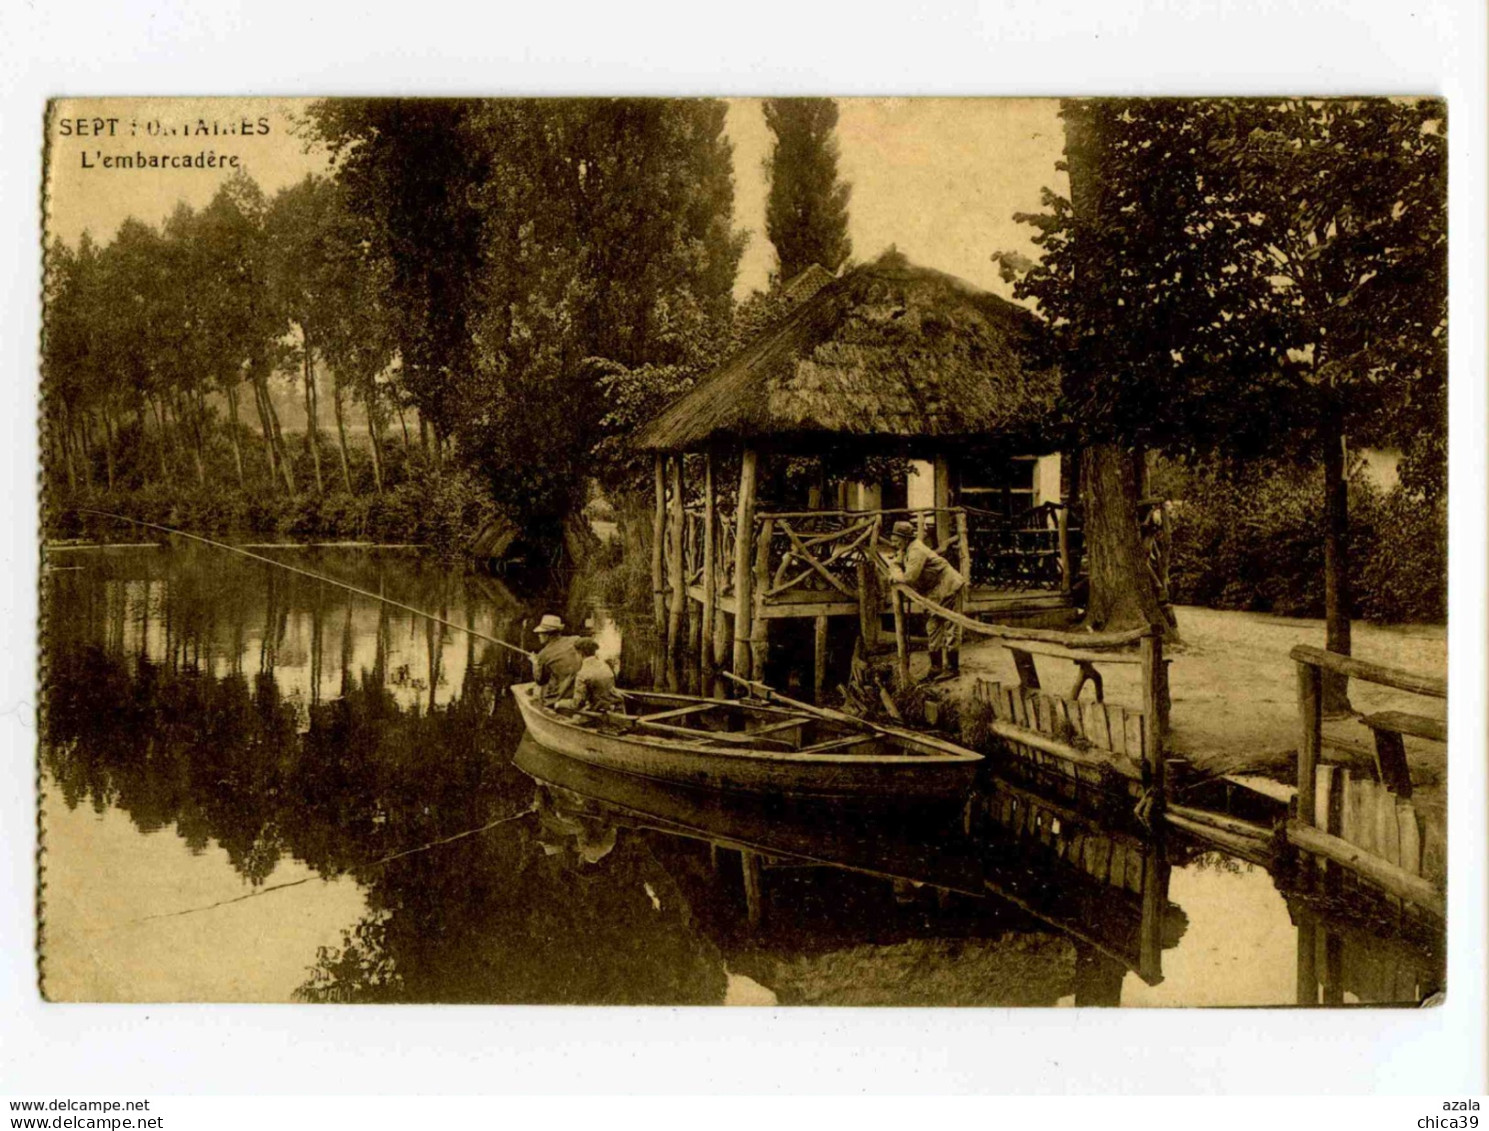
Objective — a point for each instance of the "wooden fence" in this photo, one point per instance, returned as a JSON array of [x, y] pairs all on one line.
[[1085, 739], [1365, 824]]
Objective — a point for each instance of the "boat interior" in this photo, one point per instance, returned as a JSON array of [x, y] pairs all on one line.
[[740, 723]]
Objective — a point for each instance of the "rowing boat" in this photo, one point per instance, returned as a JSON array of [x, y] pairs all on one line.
[[741, 746]]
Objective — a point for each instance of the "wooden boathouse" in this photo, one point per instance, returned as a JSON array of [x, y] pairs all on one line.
[[780, 471]]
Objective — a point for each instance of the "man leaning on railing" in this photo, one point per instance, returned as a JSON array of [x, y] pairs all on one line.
[[933, 577]]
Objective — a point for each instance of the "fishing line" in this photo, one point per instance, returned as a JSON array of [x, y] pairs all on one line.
[[313, 576], [531, 809]]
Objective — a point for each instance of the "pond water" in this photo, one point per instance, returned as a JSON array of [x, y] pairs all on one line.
[[259, 787]]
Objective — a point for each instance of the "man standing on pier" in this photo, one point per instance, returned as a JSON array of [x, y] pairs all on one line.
[[933, 577]]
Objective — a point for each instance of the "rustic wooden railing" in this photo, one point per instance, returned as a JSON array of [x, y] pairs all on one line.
[[1365, 824], [1033, 550], [820, 550]]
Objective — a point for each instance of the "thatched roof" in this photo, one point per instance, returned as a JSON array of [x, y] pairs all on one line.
[[890, 352]]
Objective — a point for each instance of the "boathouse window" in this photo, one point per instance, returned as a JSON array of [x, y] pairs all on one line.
[[894, 493], [1006, 486]]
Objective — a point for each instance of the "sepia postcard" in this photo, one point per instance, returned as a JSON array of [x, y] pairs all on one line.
[[725, 551]]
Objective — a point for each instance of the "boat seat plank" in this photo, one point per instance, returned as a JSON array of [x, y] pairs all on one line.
[[784, 724], [733, 737], [836, 744], [678, 712]]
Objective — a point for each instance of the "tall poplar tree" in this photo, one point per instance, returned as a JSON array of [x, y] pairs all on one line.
[[806, 215]]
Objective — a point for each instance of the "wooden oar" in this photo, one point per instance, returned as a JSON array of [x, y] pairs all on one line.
[[770, 694]]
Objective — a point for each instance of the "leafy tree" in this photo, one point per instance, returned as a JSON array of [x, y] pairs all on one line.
[[70, 353], [414, 170], [806, 215], [184, 332], [1350, 201], [140, 318], [237, 323], [541, 244]]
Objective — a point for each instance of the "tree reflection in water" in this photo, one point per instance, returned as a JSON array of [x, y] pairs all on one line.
[[516, 914], [280, 718]]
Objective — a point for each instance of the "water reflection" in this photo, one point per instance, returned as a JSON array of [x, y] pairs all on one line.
[[279, 729]]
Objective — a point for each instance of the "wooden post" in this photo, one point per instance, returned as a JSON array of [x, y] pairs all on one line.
[[1307, 954], [941, 497], [760, 627], [870, 606], [964, 547], [1062, 525], [1333, 969], [1150, 930], [679, 568], [1155, 707], [710, 577], [901, 640], [819, 658], [1310, 718], [658, 532], [750, 865], [744, 581]]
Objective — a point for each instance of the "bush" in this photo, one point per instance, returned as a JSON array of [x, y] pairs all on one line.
[[618, 575], [1400, 547], [1252, 540]]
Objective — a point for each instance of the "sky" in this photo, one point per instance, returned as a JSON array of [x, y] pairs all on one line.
[[940, 179]]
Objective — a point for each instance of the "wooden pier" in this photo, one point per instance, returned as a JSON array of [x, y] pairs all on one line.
[[733, 575], [1108, 746]]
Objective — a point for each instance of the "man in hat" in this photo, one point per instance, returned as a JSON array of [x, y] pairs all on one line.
[[556, 662], [933, 577]]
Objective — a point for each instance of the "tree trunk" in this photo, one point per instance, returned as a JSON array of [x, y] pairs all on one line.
[[1123, 591], [286, 464], [1336, 566], [312, 433], [346, 466], [197, 410], [232, 408], [408, 446], [281, 449], [270, 452], [64, 446], [158, 408], [375, 431], [108, 445], [80, 431]]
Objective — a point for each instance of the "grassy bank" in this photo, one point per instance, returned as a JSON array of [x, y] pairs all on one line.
[[441, 511]]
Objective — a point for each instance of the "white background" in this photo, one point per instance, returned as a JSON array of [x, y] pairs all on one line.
[[1027, 47]]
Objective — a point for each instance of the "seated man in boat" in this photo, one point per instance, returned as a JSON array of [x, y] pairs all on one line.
[[594, 683], [933, 577], [557, 661]]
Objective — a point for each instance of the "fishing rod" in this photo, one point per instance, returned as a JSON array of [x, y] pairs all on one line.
[[313, 576]]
